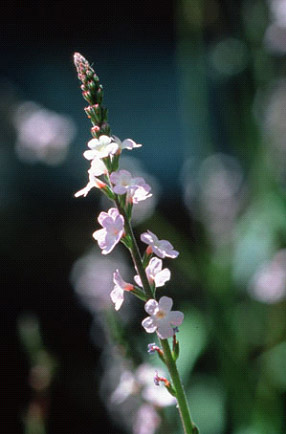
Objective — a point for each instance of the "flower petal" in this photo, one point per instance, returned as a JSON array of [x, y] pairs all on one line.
[[151, 306], [105, 140], [166, 249], [117, 279], [154, 266], [138, 280], [165, 304], [117, 297], [162, 277], [113, 212], [97, 167], [103, 216], [149, 325], [90, 154], [85, 190], [146, 238], [99, 236], [176, 317], [110, 242], [165, 331], [129, 144]]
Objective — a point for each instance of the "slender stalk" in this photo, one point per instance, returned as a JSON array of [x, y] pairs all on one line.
[[188, 425], [135, 253], [138, 262]]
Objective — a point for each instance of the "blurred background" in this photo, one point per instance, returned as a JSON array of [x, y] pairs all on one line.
[[202, 85]]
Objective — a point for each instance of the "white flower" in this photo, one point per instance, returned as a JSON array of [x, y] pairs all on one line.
[[117, 294], [161, 248], [161, 318], [141, 382], [91, 273], [126, 387], [136, 188], [100, 148], [155, 274], [126, 144], [97, 168], [268, 284], [122, 181], [113, 229], [42, 135], [147, 420], [139, 192]]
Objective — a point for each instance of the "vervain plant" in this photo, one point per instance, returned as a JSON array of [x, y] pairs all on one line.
[[125, 191]]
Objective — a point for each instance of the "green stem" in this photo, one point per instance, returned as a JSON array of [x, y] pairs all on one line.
[[189, 427], [138, 262], [135, 253]]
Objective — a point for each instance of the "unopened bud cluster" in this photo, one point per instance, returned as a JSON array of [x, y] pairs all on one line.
[[92, 92]]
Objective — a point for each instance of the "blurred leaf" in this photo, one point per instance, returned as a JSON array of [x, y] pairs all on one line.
[[274, 364], [247, 430], [207, 403], [257, 235], [193, 339]]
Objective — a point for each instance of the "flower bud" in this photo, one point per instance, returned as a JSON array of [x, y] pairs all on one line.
[[95, 130]]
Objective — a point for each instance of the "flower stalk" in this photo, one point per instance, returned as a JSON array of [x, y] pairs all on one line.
[[188, 425], [136, 256], [125, 191]]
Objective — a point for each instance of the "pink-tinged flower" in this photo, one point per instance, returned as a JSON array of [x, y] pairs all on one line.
[[100, 148], [155, 274], [136, 188], [97, 168], [147, 420], [117, 294], [139, 192], [126, 144], [161, 318], [122, 181], [268, 284], [113, 229], [161, 248], [141, 382]]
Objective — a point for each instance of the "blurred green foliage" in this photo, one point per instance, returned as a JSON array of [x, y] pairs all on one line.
[[224, 210]]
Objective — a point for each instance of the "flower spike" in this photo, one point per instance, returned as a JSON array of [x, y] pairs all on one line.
[[104, 152]]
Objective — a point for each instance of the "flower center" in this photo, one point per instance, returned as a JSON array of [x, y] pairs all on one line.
[[115, 231], [160, 314]]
